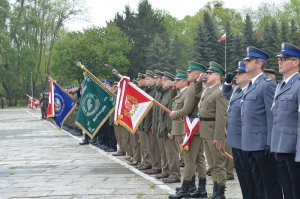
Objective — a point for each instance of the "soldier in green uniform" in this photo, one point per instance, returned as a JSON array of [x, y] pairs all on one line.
[[147, 124], [169, 150], [180, 101], [134, 138], [213, 118], [194, 156], [119, 130], [154, 143]]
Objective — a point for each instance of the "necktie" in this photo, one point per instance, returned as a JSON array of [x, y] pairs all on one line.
[[282, 84], [249, 85]]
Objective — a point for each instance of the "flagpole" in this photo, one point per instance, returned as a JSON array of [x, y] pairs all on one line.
[[115, 72], [94, 77], [225, 54]]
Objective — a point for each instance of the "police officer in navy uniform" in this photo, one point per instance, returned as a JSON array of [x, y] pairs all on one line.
[[234, 129], [286, 122], [257, 122]]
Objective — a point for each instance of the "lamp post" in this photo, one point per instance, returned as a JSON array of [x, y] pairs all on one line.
[[31, 90]]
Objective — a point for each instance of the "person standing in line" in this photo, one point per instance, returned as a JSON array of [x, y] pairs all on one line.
[[257, 122], [285, 139]]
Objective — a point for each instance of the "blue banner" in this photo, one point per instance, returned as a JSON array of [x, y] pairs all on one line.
[[64, 104]]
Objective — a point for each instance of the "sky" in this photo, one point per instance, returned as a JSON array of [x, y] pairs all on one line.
[[100, 11]]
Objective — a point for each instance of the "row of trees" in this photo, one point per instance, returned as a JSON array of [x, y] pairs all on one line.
[[33, 40]]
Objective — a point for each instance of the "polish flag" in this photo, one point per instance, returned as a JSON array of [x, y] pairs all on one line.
[[190, 127], [50, 108], [223, 38], [132, 105]]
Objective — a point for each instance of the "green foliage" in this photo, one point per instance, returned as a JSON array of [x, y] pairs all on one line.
[[93, 48]]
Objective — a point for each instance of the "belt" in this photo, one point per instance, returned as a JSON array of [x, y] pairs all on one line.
[[207, 119]]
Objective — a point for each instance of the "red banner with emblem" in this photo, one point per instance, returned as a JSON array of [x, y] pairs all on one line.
[[132, 105]]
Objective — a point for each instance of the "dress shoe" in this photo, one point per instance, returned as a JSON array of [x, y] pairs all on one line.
[[153, 171], [208, 172], [171, 180], [128, 158], [138, 165], [229, 177], [119, 153], [84, 142], [161, 175], [144, 167], [110, 150], [133, 163], [182, 164]]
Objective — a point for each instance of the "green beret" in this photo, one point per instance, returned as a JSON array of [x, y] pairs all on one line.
[[195, 66], [150, 73], [215, 67], [180, 74], [169, 75], [269, 70], [158, 73]]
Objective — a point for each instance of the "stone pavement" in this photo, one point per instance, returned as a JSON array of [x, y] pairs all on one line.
[[37, 160]]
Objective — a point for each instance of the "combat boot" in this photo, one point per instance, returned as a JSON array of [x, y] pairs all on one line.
[[201, 191], [215, 191], [221, 192], [183, 192], [192, 187]]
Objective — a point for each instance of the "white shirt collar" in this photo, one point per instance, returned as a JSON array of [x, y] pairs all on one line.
[[288, 79], [244, 88], [255, 78]]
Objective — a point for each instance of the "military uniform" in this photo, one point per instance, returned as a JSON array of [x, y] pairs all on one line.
[[144, 134], [183, 105], [154, 142], [170, 164], [234, 137], [134, 139], [213, 119], [257, 122], [286, 132]]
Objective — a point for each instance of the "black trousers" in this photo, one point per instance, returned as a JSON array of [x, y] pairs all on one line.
[[265, 175], [289, 174], [244, 173]]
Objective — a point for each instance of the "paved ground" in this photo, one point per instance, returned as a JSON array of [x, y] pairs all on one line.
[[37, 160]]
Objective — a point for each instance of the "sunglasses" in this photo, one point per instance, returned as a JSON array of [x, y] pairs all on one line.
[[283, 59]]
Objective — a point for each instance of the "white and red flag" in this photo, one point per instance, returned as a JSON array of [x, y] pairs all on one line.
[[50, 108], [223, 38], [32, 102], [190, 127], [132, 105]]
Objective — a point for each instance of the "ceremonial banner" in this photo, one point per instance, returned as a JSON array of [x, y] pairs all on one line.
[[62, 104], [190, 130], [132, 105], [32, 102], [96, 105]]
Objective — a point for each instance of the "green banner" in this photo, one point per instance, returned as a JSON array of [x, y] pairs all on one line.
[[96, 105]]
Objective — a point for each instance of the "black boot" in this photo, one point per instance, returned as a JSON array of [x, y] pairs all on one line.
[[221, 192], [201, 191], [192, 187], [215, 191], [183, 191]]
